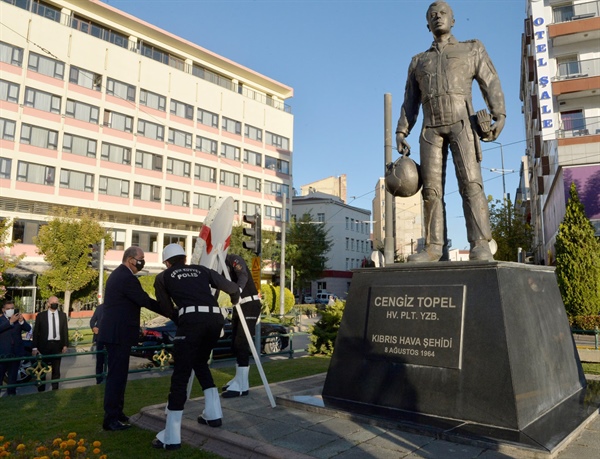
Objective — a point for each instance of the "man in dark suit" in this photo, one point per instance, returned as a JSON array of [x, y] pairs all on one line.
[[119, 330], [12, 325], [51, 337]]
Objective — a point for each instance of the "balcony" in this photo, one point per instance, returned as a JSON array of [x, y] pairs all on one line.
[[577, 69], [575, 12], [579, 128]]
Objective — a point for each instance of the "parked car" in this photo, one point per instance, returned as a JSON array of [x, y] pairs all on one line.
[[22, 375], [322, 298], [272, 339], [308, 299]]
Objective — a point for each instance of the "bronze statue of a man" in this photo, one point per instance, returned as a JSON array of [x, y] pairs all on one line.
[[440, 79]]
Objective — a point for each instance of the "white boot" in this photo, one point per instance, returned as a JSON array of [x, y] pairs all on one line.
[[212, 413], [239, 385], [170, 437], [224, 388]]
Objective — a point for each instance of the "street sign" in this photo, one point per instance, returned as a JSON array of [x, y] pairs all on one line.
[[256, 272]]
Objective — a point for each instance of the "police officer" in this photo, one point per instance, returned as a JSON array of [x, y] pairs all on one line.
[[440, 79], [199, 324], [251, 306]]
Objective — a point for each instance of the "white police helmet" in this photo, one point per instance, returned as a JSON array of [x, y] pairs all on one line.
[[172, 250]]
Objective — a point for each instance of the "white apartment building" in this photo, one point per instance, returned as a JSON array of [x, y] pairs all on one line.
[[560, 90], [103, 111], [349, 229], [407, 220]]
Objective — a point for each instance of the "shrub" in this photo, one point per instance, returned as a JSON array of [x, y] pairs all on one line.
[[270, 299], [324, 332]]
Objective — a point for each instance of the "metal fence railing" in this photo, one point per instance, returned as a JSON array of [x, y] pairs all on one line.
[[595, 332]]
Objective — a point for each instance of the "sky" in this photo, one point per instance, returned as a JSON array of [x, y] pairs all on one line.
[[341, 57]]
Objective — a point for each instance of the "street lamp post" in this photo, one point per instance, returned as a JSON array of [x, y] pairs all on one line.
[[501, 171]]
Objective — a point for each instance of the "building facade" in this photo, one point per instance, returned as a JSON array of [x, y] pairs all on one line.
[[407, 220], [103, 111], [349, 229], [560, 90]]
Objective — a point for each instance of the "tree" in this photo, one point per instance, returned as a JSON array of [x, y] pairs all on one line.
[[64, 244], [509, 231], [578, 260], [306, 248], [6, 261]]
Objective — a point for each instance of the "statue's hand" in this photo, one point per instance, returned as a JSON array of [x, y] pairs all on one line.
[[495, 129], [402, 145]]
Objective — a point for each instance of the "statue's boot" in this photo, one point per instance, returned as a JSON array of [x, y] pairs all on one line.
[[431, 252], [480, 250]]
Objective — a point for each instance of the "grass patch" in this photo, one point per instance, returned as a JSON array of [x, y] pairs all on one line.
[[47, 415], [591, 368]]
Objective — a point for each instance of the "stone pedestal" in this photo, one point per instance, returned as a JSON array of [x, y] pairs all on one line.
[[483, 347]]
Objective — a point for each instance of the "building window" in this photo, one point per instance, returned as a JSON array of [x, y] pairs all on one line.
[[180, 138], [118, 121], [174, 239], [42, 100], [25, 230], [98, 31], [278, 189], [148, 161], [273, 213], [208, 118], [249, 208], [145, 241], [251, 183], [82, 112], [7, 129], [347, 243], [253, 158], [320, 217], [35, 173], [230, 152], [153, 100], [119, 89], [278, 165], [5, 166], [177, 197], [179, 167], [118, 238], [232, 126], [113, 187], [278, 141], [203, 201], [9, 91], [85, 78], [75, 180], [230, 179], [151, 130], [206, 145], [347, 223], [45, 10], [10, 54], [39, 137], [253, 133], [146, 192], [79, 145], [205, 173], [116, 153], [46, 66], [182, 110]]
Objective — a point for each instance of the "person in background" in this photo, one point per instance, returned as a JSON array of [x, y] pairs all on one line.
[[251, 306], [12, 326], [99, 345], [199, 324], [51, 337], [119, 329]]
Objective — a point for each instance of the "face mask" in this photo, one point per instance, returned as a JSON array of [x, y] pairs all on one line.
[[139, 264], [54, 306], [9, 313]]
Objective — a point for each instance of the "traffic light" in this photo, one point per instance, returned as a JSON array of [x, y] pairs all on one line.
[[94, 256], [254, 232]]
